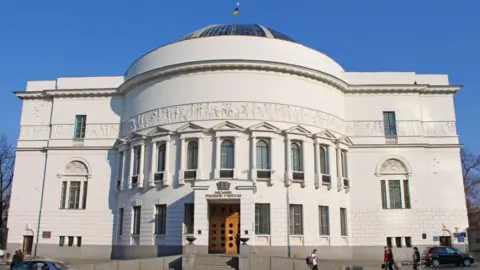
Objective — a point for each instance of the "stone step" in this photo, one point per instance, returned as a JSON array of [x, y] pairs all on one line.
[[213, 267], [216, 261]]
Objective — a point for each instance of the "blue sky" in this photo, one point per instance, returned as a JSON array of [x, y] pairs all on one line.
[[43, 40]]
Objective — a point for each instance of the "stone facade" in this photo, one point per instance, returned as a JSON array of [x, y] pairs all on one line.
[[82, 171]]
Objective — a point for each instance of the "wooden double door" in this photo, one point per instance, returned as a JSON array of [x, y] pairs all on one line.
[[224, 228]]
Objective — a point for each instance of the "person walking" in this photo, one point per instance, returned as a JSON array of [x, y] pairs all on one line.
[[312, 260], [416, 258], [16, 259], [390, 265]]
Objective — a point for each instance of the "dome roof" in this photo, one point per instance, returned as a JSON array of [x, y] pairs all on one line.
[[236, 30]]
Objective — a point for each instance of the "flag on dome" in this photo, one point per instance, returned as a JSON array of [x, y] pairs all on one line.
[[236, 10]]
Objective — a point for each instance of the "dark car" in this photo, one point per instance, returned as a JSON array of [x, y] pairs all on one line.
[[436, 256], [41, 265]]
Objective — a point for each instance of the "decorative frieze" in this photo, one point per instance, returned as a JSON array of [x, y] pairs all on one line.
[[439, 129], [404, 128], [234, 111], [34, 132]]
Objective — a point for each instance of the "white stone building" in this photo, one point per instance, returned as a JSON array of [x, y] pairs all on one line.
[[237, 126]]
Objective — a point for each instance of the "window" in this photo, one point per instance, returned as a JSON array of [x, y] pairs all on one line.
[[189, 217], [84, 197], [79, 241], [343, 222], [120, 221], [61, 241], [80, 124], [262, 218], [408, 241], [160, 218], [398, 241], [192, 155], [227, 155], [344, 165], [384, 194], [70, 241], [395, 194], [389, 124], [389, 242], [263, 159], [296, 157], [161, 158], [121, 157], [324, 166], [406, 194], [137, 152], [324, 220], [74, 195], [137, 214], [64, 194], [296, 219]]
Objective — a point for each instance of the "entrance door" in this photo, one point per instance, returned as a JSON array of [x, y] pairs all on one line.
[[27, 244], [446, 241], [224, 228]]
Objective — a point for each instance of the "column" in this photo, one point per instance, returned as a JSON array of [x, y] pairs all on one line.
[[253, 153], [166, 173], [80, 196], [339, 166], [183, 160], [118, 178], [153, 165], [235, 156], [271, 144], [130, 173], [288, 156], [141, 165], [387, 193], [217, 155], [304, 167], [124, 169], [316, 152], [200, 159]]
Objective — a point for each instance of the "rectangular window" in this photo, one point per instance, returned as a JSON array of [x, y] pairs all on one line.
[[296, 219], [384, 194], [262, 152], [408, 241], [395, 194], [389, 124], [160, 218], [79, 241], [344, 164], [137, 152], [406, 194], [70, 241], [64, 194], [389, 242], [120, 221], [398, 241], [84, 197], [74, 195], [61, 241], [343, 222], [189, 217], [80, 124], [137, 216], [262, 218], [324, 220]]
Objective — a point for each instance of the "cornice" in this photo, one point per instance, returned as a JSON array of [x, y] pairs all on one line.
[[242, 65], [51, 93], [43, 149], [407, 145]]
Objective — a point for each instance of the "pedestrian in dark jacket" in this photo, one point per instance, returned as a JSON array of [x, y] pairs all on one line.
[[16, 259], [390, 261], [415, 258]]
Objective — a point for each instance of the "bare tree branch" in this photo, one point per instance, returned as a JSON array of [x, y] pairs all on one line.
[[471, 178], [7, 163]]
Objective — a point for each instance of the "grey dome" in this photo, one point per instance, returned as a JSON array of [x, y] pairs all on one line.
[[236, 30]]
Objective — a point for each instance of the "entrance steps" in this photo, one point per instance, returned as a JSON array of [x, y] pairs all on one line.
[[215, 262]]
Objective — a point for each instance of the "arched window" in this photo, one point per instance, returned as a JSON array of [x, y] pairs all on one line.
[[296, 157], [324, 165], [227, 159], [192, 155], [161, 158], [344, 164], [74, 186], [263, 158]]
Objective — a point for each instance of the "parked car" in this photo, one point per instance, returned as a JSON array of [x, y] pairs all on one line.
[[436, 256], [41, 265]]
